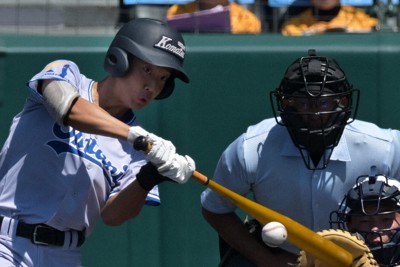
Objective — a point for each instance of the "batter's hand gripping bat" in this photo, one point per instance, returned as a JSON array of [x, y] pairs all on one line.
[[298, 235]]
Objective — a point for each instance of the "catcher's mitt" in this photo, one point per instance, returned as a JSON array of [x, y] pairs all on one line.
[[353, 243]]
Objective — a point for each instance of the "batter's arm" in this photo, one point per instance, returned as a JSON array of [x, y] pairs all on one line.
[[125, 205], [90, 118]]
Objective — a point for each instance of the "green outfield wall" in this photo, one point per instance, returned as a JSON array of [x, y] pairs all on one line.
[[231, 77]]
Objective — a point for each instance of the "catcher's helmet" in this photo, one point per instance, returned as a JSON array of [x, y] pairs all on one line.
[[152, 41], [319, 82], [373, 196]]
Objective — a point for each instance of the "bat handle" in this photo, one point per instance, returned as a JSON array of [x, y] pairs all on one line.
[[201, 178], [142, 144]]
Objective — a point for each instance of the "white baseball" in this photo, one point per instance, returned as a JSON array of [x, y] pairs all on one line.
[[274, 234]]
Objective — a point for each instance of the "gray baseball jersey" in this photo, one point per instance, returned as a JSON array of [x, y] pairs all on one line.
[[58, 175]]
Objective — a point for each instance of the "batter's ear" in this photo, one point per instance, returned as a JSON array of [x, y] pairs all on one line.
[[116, 62]]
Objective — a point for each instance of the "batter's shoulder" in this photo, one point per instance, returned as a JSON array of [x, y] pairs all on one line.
[[62, 63]]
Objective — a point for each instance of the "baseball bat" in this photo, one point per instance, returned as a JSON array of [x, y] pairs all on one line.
[[298, 234]]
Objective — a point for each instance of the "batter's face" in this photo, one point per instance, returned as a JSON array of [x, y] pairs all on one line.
[[380, 224], [142, 84]]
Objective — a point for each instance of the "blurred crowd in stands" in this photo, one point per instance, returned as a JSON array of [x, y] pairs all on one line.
[[287, 17]]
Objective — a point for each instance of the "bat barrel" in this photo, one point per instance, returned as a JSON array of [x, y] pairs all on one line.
[[299, 235]]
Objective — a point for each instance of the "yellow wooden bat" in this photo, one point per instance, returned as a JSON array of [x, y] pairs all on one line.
[[298, 235]]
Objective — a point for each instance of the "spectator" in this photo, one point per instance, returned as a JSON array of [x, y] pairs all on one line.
[[329, 16], [372, 209], [301, 170], [242, 20]]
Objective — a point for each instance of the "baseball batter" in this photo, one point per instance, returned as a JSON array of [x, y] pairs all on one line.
[[69, 157]]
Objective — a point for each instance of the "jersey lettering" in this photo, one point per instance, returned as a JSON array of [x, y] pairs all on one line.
[[165, 44], [75, 143], [50, 72]]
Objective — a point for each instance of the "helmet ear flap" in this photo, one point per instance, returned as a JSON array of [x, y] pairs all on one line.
[[116, 62]]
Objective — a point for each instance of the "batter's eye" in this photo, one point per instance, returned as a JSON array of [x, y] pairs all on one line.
[[146, 70]]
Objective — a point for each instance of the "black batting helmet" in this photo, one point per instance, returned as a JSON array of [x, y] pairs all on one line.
[[152, 41]]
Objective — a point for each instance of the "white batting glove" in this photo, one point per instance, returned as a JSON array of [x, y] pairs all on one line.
[[163, 155], [169, 164], [178, 168], [135, 132], [162, 151]]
